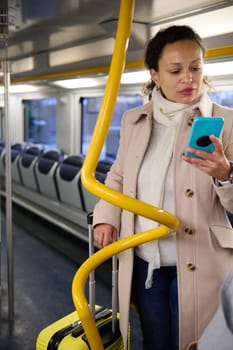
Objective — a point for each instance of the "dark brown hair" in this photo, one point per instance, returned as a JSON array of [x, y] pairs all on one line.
[[168, 36], [156, 45]]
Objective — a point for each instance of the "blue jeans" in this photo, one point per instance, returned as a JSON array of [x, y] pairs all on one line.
[[157, 306]]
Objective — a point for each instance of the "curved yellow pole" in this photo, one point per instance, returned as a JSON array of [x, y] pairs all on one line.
[[79, 281], [102, 125], [89, 181]]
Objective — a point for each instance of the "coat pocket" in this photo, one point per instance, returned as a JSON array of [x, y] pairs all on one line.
[[223, 236]]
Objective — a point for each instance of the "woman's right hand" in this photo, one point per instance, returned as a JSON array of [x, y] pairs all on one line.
[[104, 234]]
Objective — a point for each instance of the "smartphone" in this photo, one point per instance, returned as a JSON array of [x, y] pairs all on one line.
[[202, 128]]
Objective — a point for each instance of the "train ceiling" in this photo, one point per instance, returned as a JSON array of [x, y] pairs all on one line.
[[49, 36]]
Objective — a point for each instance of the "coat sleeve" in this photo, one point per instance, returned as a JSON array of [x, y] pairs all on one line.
[[225, 193]]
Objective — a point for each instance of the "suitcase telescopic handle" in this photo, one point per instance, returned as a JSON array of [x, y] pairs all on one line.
[[92, 274], [90, 218], [92, 281]]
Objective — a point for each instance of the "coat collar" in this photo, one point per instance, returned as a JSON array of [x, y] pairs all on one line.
[[143, 111]]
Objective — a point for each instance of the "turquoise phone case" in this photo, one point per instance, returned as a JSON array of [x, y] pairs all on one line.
[[202, 128]]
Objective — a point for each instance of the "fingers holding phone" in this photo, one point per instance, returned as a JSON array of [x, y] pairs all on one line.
[[201, 153], [205, 150]]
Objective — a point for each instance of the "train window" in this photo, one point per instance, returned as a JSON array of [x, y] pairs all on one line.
[[224, 98], [90, 107], [40, 121]]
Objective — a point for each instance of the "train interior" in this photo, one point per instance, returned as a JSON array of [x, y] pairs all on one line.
[[55, 58]]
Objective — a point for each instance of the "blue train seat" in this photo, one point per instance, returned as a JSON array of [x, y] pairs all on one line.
[[16, 150], [45, 170], [27, 162], [69, 183], [102, 169]]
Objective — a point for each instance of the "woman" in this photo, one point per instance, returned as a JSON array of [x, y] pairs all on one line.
[[179, 274]]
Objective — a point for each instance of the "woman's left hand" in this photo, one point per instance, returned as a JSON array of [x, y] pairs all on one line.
[[214, 164]]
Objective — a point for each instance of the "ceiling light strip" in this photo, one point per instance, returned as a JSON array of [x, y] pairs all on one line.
[[212, 7]]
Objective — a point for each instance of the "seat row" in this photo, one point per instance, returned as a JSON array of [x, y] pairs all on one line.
[[52, 174], [55, 177]]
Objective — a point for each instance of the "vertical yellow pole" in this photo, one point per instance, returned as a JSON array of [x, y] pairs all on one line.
[[112, 88]]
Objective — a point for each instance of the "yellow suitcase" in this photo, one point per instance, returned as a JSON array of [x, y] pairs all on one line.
[[67, 333]]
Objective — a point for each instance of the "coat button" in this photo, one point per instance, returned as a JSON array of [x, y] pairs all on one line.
[[190, 121], [188, 192], [191, 267], [189, 230]]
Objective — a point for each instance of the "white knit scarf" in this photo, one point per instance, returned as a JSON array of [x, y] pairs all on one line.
[[152, 177]]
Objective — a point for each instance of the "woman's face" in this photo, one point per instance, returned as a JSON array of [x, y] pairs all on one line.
[[180, 73]]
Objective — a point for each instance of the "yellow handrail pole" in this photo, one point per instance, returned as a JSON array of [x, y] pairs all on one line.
[[89, 181], [102, 125], [112, 87], [79, 281]]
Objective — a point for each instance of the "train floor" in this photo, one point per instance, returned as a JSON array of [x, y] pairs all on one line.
[[45, 260]]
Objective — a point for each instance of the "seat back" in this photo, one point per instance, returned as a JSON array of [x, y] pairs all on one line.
[[16, 151], [68, 181], [102, 169], [27, 162], [45, 171]]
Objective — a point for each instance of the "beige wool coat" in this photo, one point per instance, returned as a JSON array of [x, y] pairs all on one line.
[[204, 238]]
